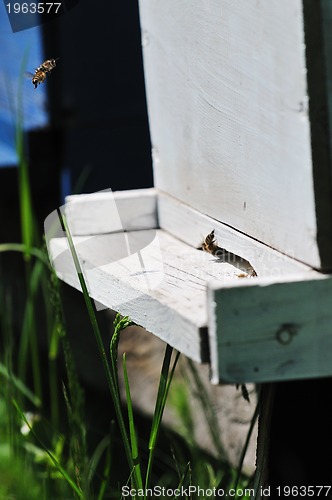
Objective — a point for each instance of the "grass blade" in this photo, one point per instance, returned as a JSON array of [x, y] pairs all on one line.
[[26, 250], [29, 329], [27, 217], [183, 478], [120, 323], [246, 445], [166, 377], [208, 409], [59, 467], [132, 430], [20, 386], [110, 379]]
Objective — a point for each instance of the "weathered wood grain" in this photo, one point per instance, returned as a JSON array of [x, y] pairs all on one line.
[[104, 212], [159, 281], [108, 211], [181, 294], [263, 331], [192, 226], [228, 110]]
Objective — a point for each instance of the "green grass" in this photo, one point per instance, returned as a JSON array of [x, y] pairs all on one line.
[[63, 461], [41, 457]]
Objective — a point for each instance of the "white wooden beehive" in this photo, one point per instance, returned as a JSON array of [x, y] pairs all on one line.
[[234, 151]]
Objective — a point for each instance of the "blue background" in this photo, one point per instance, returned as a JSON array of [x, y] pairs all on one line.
[[14, 46]]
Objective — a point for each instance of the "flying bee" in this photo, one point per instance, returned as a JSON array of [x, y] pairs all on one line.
[[210, 245], [47, 65], [41, 72], [38, 77]]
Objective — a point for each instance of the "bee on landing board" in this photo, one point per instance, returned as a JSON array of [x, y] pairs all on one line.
[[41, 72], [210, 245]]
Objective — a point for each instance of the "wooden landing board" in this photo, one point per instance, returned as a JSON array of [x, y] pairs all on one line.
[[263, 331], [107, 211], [159, 281], [190, 299]]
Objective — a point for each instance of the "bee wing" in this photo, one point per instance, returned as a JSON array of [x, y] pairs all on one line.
[[28, 74]]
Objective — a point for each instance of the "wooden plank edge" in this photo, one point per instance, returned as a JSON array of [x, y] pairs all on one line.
[[107, 211], [173, 328], [317, 34], [264, 330]]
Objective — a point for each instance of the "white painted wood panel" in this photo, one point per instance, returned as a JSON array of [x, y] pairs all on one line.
[[108, 211], [270, 330], [228, 110], [191, 226], [200, 305], [159, 281]]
